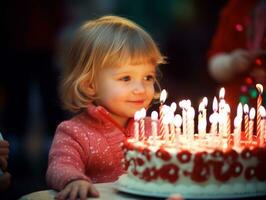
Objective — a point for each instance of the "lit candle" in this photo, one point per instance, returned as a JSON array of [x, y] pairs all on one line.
[[163, 97], [184, 116], [240, 115], [228, 123], [214, 117], [246, 120], [200, 120], [237, 131], [154, 119], [262, 125], [204, 113], [259, 103], [251, 124], [166, 121], [177, 122], [142, 124], [136, 125], [190, 117], [221, 124]]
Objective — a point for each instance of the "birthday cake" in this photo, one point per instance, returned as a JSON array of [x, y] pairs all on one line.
[[218, 164]]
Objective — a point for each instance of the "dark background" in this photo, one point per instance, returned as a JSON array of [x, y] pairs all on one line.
[[33, 30]]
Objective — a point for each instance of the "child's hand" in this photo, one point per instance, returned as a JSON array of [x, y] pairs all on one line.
[[4, 150], [5, 180], [78, 189]]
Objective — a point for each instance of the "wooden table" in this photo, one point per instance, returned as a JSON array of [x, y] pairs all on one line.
[[106, 190]]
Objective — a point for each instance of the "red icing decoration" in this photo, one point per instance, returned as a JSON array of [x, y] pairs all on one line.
[[163, 154], [246, 153], [250, 173], [169, 172], [219, 172], [200, 172], [184, 156], [233, 168]]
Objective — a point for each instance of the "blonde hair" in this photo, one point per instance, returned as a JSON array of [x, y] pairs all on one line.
[[106, 41]]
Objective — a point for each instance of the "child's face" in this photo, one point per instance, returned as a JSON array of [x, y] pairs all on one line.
[[124, 90]]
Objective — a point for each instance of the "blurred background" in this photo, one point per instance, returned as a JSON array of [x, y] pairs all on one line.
[[33, 34]]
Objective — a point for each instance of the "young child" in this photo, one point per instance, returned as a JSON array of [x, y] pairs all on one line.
[[112, 70], [5, 177]]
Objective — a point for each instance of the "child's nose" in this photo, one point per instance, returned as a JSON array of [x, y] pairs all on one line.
[[139, 88]]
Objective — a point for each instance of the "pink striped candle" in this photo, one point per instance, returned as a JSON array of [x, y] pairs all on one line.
[[163, 97]]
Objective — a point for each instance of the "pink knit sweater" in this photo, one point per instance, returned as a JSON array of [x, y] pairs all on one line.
[[87, 147]]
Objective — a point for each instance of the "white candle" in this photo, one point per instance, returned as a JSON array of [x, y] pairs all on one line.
[[200, 119], [251, 124], [154, 119], [184, 116], [177, 122], [214, 117], [204, 113], [190, 117]]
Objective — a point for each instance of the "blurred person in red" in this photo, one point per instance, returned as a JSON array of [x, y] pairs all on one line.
[[237, 56]]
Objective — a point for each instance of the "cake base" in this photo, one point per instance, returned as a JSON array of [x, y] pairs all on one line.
[[135, 186]]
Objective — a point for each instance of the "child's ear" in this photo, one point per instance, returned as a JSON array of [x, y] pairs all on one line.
[[89, 88]]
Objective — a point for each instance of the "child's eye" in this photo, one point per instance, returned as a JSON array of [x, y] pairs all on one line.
[[125, 78], [150, 78]]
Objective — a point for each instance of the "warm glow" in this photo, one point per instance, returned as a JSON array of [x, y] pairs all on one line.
[[137, 116], [166, 119], [190, 113], [222, 93], [177, 120], [215, 104], [259, 88], [205, 101], [163, 96], [173, 106], [142, 113], [252, 113], [154, 115], [246, 108], [239, 109]]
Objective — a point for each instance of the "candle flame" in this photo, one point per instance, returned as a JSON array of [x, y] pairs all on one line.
[[259, 88], [154, 115], [252, 113], [143, 113], [215, 104], [137, 116], [205, 101], [240, 109], [163, 96], [246, 108], [221, 93], [201, 106], [173, 107], [177, 120], [182, 104], [262, 111], [190, 113]]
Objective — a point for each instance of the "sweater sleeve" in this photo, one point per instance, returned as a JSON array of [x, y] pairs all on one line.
[[67, 157]]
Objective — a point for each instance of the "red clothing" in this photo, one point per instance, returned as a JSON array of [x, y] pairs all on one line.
[[87, 147]]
